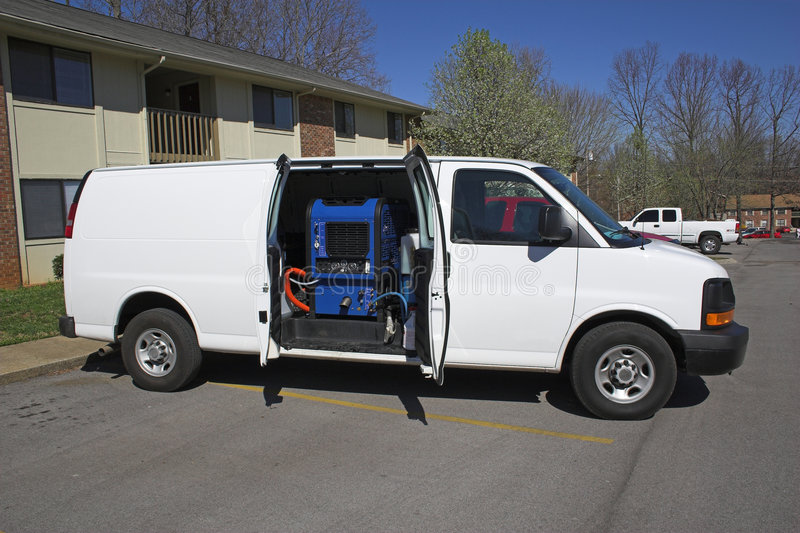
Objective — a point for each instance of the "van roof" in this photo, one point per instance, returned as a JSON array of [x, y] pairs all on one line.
[[336, 161]]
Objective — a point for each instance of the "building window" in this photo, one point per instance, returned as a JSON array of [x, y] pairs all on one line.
[[780, 211], [45, 204], [780, 222], [749, 212], [395, 127], [44, 73], [272, 108], [764, 211], [762, 224], [748, 223], [345, 119]]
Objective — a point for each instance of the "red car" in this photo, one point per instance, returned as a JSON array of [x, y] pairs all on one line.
[[761, 233]]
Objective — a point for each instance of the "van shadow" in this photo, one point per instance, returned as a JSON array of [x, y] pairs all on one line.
[[401, 381]]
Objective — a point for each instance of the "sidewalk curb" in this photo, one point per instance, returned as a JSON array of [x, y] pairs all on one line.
[[43, 369]]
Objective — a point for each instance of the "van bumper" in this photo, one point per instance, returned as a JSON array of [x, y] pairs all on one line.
[[66, 326], [712, 352]]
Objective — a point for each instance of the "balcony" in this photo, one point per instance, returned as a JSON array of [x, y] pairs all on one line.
[[181, 137]]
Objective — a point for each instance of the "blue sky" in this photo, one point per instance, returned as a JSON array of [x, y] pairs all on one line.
[[581, 37]]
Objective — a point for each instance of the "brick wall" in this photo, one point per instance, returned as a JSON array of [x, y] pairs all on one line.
[[10, 270], [316, 126]]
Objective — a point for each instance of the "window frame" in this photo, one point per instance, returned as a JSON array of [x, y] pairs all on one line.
[[391, 124], [53, 75], [63, 203], [343, 133], [273, 97]]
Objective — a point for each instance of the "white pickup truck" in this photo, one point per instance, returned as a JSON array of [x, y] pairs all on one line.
[[710, 235]]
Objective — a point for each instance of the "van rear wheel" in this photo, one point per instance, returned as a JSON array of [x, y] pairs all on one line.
[[160, 350], [623, 371]]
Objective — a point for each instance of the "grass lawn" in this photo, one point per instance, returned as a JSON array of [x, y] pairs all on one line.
[[30, 313]]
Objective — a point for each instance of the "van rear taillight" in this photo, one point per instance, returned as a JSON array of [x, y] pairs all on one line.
[[70, 220]]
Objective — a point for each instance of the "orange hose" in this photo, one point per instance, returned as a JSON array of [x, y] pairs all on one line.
[[287, 286]]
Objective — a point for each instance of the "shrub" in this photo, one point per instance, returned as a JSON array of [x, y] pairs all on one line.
[[58, 266]]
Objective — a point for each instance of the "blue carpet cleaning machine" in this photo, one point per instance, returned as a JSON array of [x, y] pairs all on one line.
[[355, 258]]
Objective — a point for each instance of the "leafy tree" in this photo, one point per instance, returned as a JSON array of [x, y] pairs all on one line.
[[485, 104]]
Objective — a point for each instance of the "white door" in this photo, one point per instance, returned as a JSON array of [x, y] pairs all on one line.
[[511, 293], [432, 323], [265, 278], [648, 221]]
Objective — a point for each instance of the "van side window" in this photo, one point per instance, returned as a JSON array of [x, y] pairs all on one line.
[[495, 207]]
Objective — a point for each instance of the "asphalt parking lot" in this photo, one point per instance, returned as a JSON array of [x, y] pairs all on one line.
[[311, 446]]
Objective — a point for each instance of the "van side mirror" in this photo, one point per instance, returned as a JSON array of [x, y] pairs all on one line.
[[552, 224]]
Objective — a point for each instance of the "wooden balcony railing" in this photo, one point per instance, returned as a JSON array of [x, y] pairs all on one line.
[[180, 137]]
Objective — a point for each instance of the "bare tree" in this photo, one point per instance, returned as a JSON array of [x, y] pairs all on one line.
[[782, 110], [634, 85], [741, 139], [635, 76], [535, 64], [591, 127], [689, 125], [330, 36]]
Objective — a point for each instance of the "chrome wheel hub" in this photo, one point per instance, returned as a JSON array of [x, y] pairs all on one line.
[[155, 352], [624, 374]]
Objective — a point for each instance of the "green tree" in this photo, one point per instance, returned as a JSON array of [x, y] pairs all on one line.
[[484, 104]]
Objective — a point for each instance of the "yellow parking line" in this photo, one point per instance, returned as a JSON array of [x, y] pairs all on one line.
[[481, 423]]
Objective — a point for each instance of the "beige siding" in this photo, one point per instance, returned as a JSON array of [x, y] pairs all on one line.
[[40, 261], [233, 105], [370, 139], [118, 98], [370, 130], [346, 147], [55, 141], [271, 144]]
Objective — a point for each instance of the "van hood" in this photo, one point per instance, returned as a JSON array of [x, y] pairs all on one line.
[[684, 259]]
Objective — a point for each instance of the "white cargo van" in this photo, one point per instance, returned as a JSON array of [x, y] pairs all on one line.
[[457, 262]]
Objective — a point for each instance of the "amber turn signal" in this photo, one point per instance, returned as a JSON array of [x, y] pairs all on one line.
[[719, 319]]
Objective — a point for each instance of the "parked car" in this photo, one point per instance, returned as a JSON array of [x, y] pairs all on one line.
[[760, 233], [747, 231], [709, 235]]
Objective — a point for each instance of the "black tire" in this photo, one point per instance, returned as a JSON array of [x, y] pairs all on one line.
[[710, 244], [160, 350], [623, 371]]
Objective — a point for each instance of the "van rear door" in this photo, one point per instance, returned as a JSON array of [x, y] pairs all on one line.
[[265, 277], [433, 302]]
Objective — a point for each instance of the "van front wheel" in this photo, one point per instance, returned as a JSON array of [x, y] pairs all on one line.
[[160, 350], [623, 371]]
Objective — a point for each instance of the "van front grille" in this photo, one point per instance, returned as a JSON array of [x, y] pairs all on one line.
[[347, 239]]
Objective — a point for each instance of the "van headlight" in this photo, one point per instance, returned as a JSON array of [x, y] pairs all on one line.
[[718, 303]]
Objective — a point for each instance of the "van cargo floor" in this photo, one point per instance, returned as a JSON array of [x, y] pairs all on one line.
[[340, 335]]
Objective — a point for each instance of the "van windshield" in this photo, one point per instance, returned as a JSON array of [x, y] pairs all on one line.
[[615, 234]]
